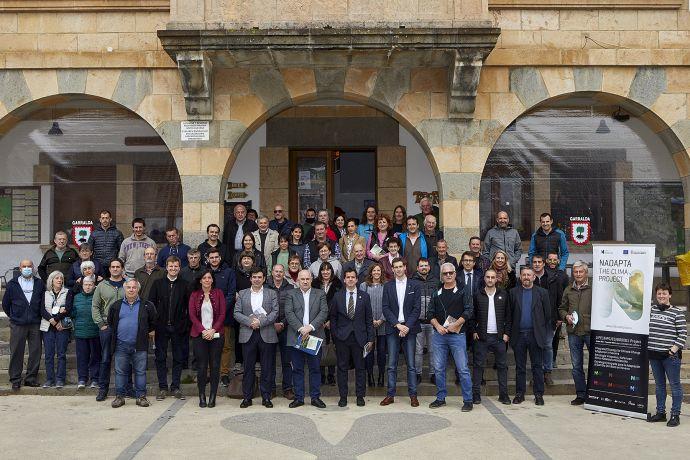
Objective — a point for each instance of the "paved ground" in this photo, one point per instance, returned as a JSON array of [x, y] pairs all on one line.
[[78, 427]]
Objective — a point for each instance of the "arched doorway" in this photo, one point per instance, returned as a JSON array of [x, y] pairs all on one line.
[[593, 155], [69, 156]]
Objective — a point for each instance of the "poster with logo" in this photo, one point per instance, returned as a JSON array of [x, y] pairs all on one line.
[[618, 373]]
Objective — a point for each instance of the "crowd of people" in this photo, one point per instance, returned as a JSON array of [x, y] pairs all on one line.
[[369, 287]]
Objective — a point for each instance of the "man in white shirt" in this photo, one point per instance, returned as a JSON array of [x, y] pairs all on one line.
[[491, 324], [256, 310], [401, 307], [306, 311]]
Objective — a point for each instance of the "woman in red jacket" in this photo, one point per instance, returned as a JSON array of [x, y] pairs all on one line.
[[207, 313]]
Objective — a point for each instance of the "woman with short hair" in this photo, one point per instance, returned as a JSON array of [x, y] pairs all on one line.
[[86, 334], [55, 335]]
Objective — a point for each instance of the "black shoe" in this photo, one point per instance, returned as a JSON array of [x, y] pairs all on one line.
[[380, 380], [202, 399], [466, 407], [295, 403], [370, 379], [577, 401], [316, 402], [161, 394], [457, 380], [225, 380], [102, 394], [331, 379], [658, 417], [539, 400], [674, 421], [519, 398], [437, 403], [432, 379], [476, 399], [342, 402], [33, 384], [504, 400], [360, 401], [267, 403], [419, 379], [323, 378], [212, 400], [245, 403], [16, 387]]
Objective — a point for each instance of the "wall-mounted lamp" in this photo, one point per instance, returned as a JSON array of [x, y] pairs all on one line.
[[55, 130]]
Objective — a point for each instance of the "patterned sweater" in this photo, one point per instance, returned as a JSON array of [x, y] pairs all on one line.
[[667, 327]]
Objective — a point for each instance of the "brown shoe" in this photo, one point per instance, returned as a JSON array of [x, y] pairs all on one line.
[[387, 400], [413, 401], [547, 378], [289, 394]]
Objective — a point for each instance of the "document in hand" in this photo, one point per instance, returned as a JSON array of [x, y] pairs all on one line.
[[366, 350], [376, 250], [310, 345]]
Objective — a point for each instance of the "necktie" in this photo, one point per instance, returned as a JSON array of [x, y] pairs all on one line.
[[469, 281], [351, 306]]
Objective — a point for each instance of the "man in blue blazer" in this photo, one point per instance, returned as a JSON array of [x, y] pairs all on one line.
[[352, 326], [401, 307], [530, 325]]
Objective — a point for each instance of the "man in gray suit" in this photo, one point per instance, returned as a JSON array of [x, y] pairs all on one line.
[[256, 310], [303, 322]]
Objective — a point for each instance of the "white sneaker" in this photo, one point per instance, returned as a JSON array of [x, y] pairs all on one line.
[[81, 386], [94, 385]]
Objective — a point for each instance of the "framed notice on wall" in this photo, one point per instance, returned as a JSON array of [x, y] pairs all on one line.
[[20, 211]]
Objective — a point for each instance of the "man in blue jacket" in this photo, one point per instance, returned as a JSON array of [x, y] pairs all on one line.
[[105, 240], [413, 245], [174, 248], [547, 240], [22, 304]]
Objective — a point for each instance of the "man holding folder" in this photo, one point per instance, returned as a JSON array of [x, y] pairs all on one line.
[[352, 326], [306, 311]]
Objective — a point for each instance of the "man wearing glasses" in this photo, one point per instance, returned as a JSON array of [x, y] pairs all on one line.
[[280, 223]]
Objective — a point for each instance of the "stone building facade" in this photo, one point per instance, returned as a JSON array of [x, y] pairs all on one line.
[[453, 73]]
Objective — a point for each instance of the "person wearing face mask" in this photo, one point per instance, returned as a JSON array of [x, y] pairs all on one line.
[[87, 340], [149, 273], [309, 221], [22, 303], [59, 257]]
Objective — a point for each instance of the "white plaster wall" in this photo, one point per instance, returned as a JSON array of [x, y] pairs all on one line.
[[420, 175], [246, 167]]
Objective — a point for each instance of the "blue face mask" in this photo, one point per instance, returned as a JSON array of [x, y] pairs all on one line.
[[27, 272]]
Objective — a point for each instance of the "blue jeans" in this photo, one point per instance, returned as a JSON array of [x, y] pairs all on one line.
[[456, 345], [409, 343], [662, 369], [548, 351], [88, 359], [313, 362], [285, 355], [127, 358], [577, 344], [55, 342], [528, 343]]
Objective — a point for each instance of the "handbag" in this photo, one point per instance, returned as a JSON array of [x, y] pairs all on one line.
[[67, 323]]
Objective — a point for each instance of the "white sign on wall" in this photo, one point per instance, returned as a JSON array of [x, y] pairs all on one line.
[[194, 130]]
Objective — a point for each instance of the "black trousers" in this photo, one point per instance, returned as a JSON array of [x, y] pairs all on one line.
[[19, 336], [347, 351], [554, 343], [207, 353], [494, 344], [255, 349]]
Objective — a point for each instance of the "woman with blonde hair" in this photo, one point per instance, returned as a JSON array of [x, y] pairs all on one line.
[[505, 275]]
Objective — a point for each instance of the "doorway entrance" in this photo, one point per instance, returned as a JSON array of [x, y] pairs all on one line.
[[342, 181]]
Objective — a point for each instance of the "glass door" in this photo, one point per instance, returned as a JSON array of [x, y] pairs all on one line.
[[310, 172]]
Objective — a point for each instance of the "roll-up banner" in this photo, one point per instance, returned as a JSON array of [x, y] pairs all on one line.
[[618, 373]]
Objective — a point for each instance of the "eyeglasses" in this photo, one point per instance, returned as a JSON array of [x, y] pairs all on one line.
[[448, 273], [276, 211]]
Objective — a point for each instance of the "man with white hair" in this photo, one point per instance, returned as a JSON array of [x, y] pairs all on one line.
[[22, 304], [432, 234], [428, 209], [576, 311], [59, 257], [132, 321]]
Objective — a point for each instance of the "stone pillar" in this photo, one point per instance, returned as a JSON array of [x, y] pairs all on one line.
[[391, 178], [124, 198], [274, 179]]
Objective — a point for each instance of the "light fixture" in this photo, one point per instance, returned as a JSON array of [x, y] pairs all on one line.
[[619, 115], [603, 128], [55, 130]]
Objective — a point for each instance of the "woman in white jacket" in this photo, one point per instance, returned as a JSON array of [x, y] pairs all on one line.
[[55, 336]]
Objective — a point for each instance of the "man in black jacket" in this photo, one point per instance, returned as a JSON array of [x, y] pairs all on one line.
[[550, 282], [360, 263], [132, 321], [491, 325], [105, 240], [170, 295], [529, 333], [235, 229], [440, 257], [562, 280], [429, 285]]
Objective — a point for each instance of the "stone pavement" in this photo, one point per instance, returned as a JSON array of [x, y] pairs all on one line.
[[78, 427]]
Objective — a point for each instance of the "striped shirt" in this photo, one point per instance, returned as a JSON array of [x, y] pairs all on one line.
[[667, 327]]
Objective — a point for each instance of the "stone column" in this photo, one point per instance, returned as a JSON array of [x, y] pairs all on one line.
[[274, 179]]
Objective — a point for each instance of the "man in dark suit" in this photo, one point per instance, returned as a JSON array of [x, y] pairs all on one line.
[[235, 229], [530, 325], [401, 305], [468, 274], [360, 263], [352, 327], [257, 310], [306, 311], [491, 325]]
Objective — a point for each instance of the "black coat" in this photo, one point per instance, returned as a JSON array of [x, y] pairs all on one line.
[[541, 315], [412, 306], [361, 276], [361, 325], [504, 319], [147, 323], [553, 285], [171, 299], [436, 268], [231, 231]]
